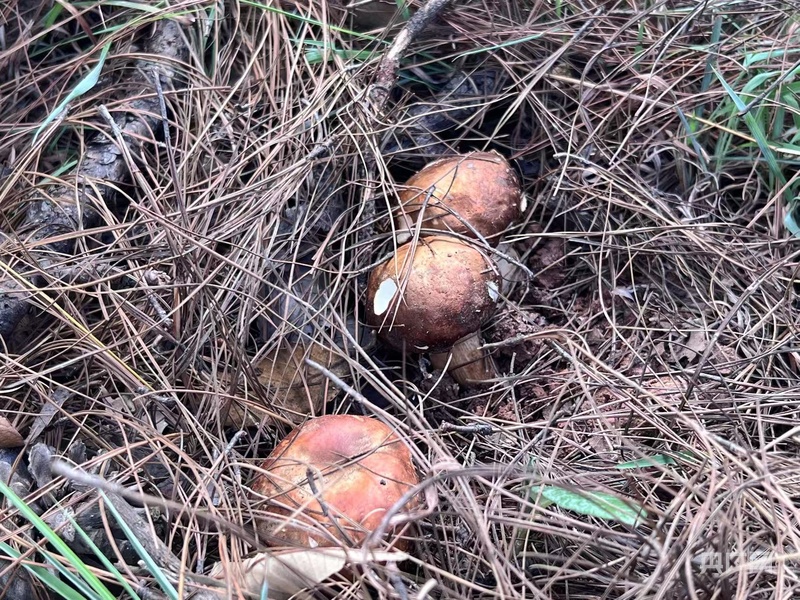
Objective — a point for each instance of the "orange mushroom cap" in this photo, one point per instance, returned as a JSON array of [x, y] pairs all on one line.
[[360, 469], [480, 188], [430, 295]]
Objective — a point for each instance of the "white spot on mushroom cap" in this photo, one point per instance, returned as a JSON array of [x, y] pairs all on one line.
[[383, 297], [523, 205], [494, 293]]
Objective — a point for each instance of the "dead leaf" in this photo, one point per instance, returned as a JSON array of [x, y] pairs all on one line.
[[284, 574], [46, 414], [40, 458], [9, 436], [624, 291], [694, 346], [297, 388], [508, 263]]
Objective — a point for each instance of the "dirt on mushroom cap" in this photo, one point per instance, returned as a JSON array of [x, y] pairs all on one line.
[[446, 290]]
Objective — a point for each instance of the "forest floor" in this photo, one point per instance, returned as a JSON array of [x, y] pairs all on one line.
[[193, 195]]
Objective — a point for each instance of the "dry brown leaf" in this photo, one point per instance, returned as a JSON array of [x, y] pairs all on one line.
[[241, 415], [48, 411], [295, 387], [295, 390], [9, 436], [284, 574]]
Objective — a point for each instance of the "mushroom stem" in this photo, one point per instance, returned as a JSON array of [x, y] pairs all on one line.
[[470, 364]]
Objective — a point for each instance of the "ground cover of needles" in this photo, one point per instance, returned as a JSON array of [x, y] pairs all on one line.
[[650, 357]]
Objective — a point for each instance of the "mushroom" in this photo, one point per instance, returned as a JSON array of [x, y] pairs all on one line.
[[434, 296], [476, 192], [331, 481]]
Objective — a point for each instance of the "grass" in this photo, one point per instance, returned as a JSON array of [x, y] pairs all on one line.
[[650, 363], [81, 581]]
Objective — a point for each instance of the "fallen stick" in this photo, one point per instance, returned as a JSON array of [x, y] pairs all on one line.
[[377, 98], [378, 93], [54, 220]]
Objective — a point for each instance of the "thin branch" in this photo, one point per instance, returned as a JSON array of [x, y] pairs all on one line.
[[378, 93]]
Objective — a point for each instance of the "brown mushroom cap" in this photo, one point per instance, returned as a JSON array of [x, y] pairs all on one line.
[[360, 469], [480, 187], [429, 300]]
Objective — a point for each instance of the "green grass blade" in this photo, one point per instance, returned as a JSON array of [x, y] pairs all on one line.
[[404, 8], [753, 58], [46, 577], [59, 544], [66, 167], [788, 98], [756, 81], [103, 559], [790, 222], [152, 8], [507, 44], [84, 85], [310, 21], [757, 132], [52, 15], [78, 583], [154, 569], [778, 117], [711, 59], [657, 460], [649, 461], [592, 503], [692, 138], [319, 52]]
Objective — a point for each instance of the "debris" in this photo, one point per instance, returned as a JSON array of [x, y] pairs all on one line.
[[282, 575], [48, 411], [69, 208]]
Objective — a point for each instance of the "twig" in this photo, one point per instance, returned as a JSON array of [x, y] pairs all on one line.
[[312, 485], [769, 90], [337, 381], [377, 98], [397, 583], [80, 477], [173, 169], [476, 428], [215, 484], [140, 528], [48, 410], [378, 92]]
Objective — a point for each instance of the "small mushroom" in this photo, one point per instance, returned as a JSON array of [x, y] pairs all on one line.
[[480, 189], [434, 296], [331, 481]]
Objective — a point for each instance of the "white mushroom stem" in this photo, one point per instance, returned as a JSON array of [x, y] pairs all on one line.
[[467, 362]]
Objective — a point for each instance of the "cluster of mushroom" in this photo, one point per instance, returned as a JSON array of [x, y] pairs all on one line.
[[333, 480], [439, 289]]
